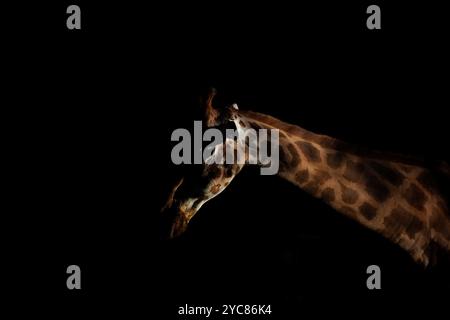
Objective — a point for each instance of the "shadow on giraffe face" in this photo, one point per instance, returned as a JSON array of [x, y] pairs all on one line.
[[199, 182], [234, 144], [172, 223]]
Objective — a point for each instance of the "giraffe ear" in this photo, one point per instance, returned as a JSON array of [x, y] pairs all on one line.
[[211, 114]]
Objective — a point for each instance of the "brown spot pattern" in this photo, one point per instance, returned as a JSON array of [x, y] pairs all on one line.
[[376, 189], [415, 196], [212, 171], [401, 220], [312, 187], [395, 222], [328, 195], [354, 171], [348, 210], [215, 188], [302, 176], [392, 176], [283, 157], [358, 172], [348, 195], [415, 226], [322, 176], [316, 181], [335, 160], [368, 211], [310, 152], [295, 158]]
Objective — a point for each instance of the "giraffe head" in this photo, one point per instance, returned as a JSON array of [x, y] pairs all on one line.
[[201, 182]]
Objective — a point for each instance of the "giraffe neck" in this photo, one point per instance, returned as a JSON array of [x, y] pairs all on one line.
[[387, 195]]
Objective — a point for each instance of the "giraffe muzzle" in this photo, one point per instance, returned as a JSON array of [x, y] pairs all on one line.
[[173, 223]]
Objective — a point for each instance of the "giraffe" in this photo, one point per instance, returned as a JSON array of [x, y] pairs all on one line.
[[394, 195]]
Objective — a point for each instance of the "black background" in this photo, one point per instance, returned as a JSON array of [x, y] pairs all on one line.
[[93, 111]]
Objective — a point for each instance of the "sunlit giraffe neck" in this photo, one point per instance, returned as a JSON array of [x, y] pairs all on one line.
[[389, 194]]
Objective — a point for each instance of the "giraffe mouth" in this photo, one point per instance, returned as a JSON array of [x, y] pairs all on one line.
[[173, 223]]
